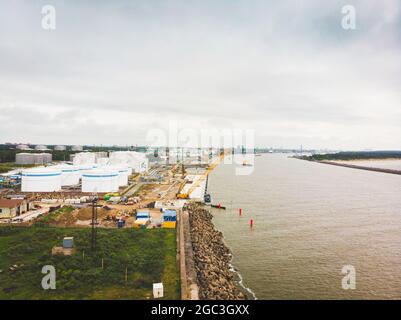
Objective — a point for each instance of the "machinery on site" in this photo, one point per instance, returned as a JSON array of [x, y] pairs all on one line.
[[212, 166], [206, 197]]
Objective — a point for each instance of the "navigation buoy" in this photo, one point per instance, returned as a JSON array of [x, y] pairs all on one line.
[[240, 211], [219, 206], [251, 223]]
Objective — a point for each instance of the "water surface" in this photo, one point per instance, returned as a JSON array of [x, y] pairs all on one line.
[[310, 220]]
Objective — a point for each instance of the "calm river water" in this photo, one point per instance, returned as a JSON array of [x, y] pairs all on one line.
[[310, 220]]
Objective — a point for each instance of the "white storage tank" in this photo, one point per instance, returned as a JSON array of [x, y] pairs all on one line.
[[77, 148], [41, 180], [104, 161], [60, 148], [24, 158], [41, 147], [84, 158], [83, 168], [123, 173], [135, 160], [100, 180], [69, 174]]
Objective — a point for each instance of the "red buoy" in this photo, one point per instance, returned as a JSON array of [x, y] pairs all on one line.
[[240, 211], [219, 205], [251, 223]]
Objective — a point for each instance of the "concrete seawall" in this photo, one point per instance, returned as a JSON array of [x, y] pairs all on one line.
[[189, 284]]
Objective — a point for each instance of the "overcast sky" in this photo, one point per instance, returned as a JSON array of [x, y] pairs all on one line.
[[287, 69]]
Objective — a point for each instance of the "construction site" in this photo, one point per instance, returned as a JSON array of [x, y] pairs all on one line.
[[119, 185]]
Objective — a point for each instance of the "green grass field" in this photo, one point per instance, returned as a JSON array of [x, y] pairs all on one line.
[[8, 166], [148, 255]]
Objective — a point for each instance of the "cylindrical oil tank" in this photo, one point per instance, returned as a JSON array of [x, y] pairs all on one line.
[[122, 176], [24, 158], [41, 180], [122, 173], [83, 168], [59, 148], [76, 148], [100, 180], [40, 147], [69, 174]]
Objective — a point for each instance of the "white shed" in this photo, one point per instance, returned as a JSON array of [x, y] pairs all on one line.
[[158, 290]]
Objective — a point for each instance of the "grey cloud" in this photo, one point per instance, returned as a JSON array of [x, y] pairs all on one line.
[[114, 70]]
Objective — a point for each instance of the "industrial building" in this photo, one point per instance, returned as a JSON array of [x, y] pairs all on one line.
[[10, 208], [100, 180], [41, 180], [33, 158]]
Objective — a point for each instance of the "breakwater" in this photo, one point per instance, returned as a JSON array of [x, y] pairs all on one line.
[[353, 166], [215, 277]]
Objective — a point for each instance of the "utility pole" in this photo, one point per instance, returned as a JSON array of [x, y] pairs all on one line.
[[182, 162], [94, 223]]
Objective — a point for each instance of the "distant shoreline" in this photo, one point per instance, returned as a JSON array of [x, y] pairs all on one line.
[[369, 159], [354, 155]]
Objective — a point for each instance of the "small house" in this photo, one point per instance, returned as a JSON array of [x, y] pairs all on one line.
[[10, 208], [158, 290]]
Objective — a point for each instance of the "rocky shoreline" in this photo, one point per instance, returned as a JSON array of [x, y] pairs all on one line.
[[212, 258]]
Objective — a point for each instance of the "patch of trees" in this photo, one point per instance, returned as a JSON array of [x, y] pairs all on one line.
[[355, 155]]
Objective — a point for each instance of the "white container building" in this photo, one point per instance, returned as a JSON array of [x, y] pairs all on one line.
[[41, 180], [100, 180]]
